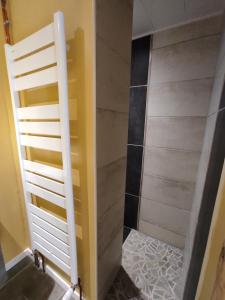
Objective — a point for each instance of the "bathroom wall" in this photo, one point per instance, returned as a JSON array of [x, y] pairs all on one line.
[[137, 107], [27, 17], [183, 62], [113, 48], [13, 234], [209, 172]]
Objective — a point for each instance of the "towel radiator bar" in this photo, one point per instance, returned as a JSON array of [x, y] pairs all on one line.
[[36, 61]]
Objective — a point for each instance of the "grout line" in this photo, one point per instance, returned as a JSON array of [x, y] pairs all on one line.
[[168, 179], [221, 109], [179, 81], [168, 205], [137, 86], [216, 112], [137, 196], [178, 117], [193, 20], [173, 149], [187, 41], [135, 145], [160, 226]]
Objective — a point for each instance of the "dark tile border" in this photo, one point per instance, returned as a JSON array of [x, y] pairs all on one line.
[[137, 115], [140, 61], [131, 211], [134, 169]]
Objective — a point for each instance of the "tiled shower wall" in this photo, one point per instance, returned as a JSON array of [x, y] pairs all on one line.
[[183, 62], [138, 93], [113, 52]]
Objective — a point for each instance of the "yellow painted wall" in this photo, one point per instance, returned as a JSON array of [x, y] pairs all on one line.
[[28, 16], [13, 230], [215, 243]]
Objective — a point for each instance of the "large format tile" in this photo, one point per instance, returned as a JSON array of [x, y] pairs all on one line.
[[111, 185], [137, 115], [172, 164], [167, 217], [134, 167], [117, 35], [112, 136], [131, 211], [185, 133], [140, 61], [185, 61], [162, 234], [112, 79], [169, 192], [108, 265], [184, 98], [109, 225], [187, 32]]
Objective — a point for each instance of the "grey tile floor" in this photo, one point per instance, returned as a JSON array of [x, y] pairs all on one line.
[[26, 282], [151, 270]]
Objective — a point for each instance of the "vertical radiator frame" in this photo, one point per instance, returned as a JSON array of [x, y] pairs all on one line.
[[57, 28]]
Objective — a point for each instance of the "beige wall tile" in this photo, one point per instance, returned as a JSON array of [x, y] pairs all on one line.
[[172, 164], [115, 25], [109, 264], [113, 79], [109, 225], [112, 130], [113, 53], [184, 98], [111, 185], [176, 132], [189, 60], [167, 217], [162, 234], [186, 32], [173, 193]]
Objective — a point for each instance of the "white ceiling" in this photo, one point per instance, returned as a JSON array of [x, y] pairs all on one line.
[[154, 15]]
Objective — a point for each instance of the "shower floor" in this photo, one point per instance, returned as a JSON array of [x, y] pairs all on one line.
[[150, 270]]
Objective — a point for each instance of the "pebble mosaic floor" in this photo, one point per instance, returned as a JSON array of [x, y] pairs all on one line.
[[150, 270]]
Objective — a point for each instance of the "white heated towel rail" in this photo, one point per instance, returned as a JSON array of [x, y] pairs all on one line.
[[36, 61]]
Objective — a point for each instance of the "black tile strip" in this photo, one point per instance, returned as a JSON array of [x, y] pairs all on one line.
[[140, 61], [137, 115], [131, 211], [134, 166]]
